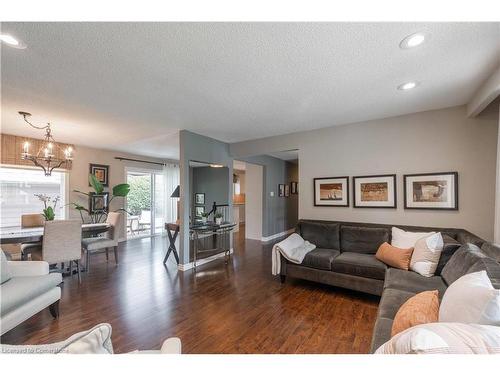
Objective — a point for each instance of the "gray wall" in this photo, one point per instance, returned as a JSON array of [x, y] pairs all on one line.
[[213, 183], [196, 147], [292, 202], [432, 141]]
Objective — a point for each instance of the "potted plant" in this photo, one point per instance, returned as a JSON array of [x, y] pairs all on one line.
[[99, 216], [218, 218], [49, 212], [204, 217]]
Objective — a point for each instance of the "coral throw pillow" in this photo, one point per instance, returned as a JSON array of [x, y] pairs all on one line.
[[394, 256], [420, 309]]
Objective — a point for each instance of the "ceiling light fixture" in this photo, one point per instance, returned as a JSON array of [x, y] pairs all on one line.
[[412, 40], [407, 85], [45, 157], [11, 41]]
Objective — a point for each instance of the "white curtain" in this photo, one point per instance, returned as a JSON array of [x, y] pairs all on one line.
[[171, 181]]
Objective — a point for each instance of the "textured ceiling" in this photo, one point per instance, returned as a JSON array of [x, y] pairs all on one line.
[[132, 86]]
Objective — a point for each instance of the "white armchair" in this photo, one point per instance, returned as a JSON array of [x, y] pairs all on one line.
[[27, 288]]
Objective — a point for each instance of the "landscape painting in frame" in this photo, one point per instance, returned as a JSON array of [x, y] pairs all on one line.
[[331, 191], [375, 191], [433, 191]]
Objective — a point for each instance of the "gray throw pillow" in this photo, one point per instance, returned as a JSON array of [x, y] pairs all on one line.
[[461, 262], [4, 268]]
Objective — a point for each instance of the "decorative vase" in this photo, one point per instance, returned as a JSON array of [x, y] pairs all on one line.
[[218, 220], [203, 219]]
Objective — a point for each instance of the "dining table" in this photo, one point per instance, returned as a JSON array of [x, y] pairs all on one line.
[[12, 235]]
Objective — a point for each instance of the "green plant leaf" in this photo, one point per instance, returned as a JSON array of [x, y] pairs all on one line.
[[79, 207], [121, 190], [96, 184], [81, 192], [49, 214]]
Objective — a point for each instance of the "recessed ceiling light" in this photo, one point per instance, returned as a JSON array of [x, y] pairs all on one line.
[[407, 85], [11, 41], [412, 40]]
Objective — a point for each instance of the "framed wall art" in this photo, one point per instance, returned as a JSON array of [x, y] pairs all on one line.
[[375, 191], [431, 191], [331, 191], [101, 172]]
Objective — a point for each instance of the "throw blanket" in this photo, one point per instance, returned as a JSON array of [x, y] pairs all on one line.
[[293, 248]]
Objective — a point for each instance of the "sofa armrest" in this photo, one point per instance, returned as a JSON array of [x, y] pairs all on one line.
[[171, 346], [28, 268]]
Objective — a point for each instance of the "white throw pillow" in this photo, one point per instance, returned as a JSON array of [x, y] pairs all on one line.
[[444, 338], [426, 254], [471, 299], [406, 240]]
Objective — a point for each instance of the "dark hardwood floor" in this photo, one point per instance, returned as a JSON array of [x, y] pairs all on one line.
[[234, 308]]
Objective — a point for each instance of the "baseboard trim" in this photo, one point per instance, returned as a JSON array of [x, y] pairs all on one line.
[[190, 265], [277, 235]]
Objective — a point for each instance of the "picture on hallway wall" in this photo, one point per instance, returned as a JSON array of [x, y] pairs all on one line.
[[199, 198], [198, 211], [281, 190], [287, 190], [294, 188], [432, 191], [331, 191], [375, 191]]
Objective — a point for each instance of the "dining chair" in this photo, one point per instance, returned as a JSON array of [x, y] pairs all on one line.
[[31, 221], [61, 243], [95, 244]]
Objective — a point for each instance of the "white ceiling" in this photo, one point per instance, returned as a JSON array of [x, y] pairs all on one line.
[[133, 86]]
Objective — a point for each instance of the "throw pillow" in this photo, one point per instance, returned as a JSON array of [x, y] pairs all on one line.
[[426, 254], [393, 256], [4, 268], [444, 338], [471, 299], [404, 239], [419, 309]]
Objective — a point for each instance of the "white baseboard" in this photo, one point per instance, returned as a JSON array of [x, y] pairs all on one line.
[[277, 235], [188, 266]]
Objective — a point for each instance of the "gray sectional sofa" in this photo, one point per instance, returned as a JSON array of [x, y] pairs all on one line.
[[345, 257]]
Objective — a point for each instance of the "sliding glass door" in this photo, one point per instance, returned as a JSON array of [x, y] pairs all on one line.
[[149, 204]]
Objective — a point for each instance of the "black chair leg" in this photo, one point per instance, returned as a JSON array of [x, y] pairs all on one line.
[[115, 250], [54, 309], [78, 270]]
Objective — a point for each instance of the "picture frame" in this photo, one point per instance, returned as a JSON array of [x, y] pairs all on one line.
[[287, 190], [331, 191], [198, 210], [431, 191], [281, 190], [101, 172], [294, 188], [375, 191], [98, 202], [199, 198]]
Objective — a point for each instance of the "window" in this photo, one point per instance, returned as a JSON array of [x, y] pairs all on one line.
[[18, 187]]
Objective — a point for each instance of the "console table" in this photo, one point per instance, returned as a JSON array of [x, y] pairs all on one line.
[[222, 238]]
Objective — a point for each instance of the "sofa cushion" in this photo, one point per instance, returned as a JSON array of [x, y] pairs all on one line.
[[410, 281], [4, 268], [492, 269], [323, 235], [364, 265], [450, 245], [20, 290], [391, 301], [394, 256], [320, 258], [493, 251], [461, 261], [364, 240]]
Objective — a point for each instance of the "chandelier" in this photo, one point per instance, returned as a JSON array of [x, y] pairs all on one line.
[[45, 157]]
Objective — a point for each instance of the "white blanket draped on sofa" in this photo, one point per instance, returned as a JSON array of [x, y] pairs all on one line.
[[293, 248]]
